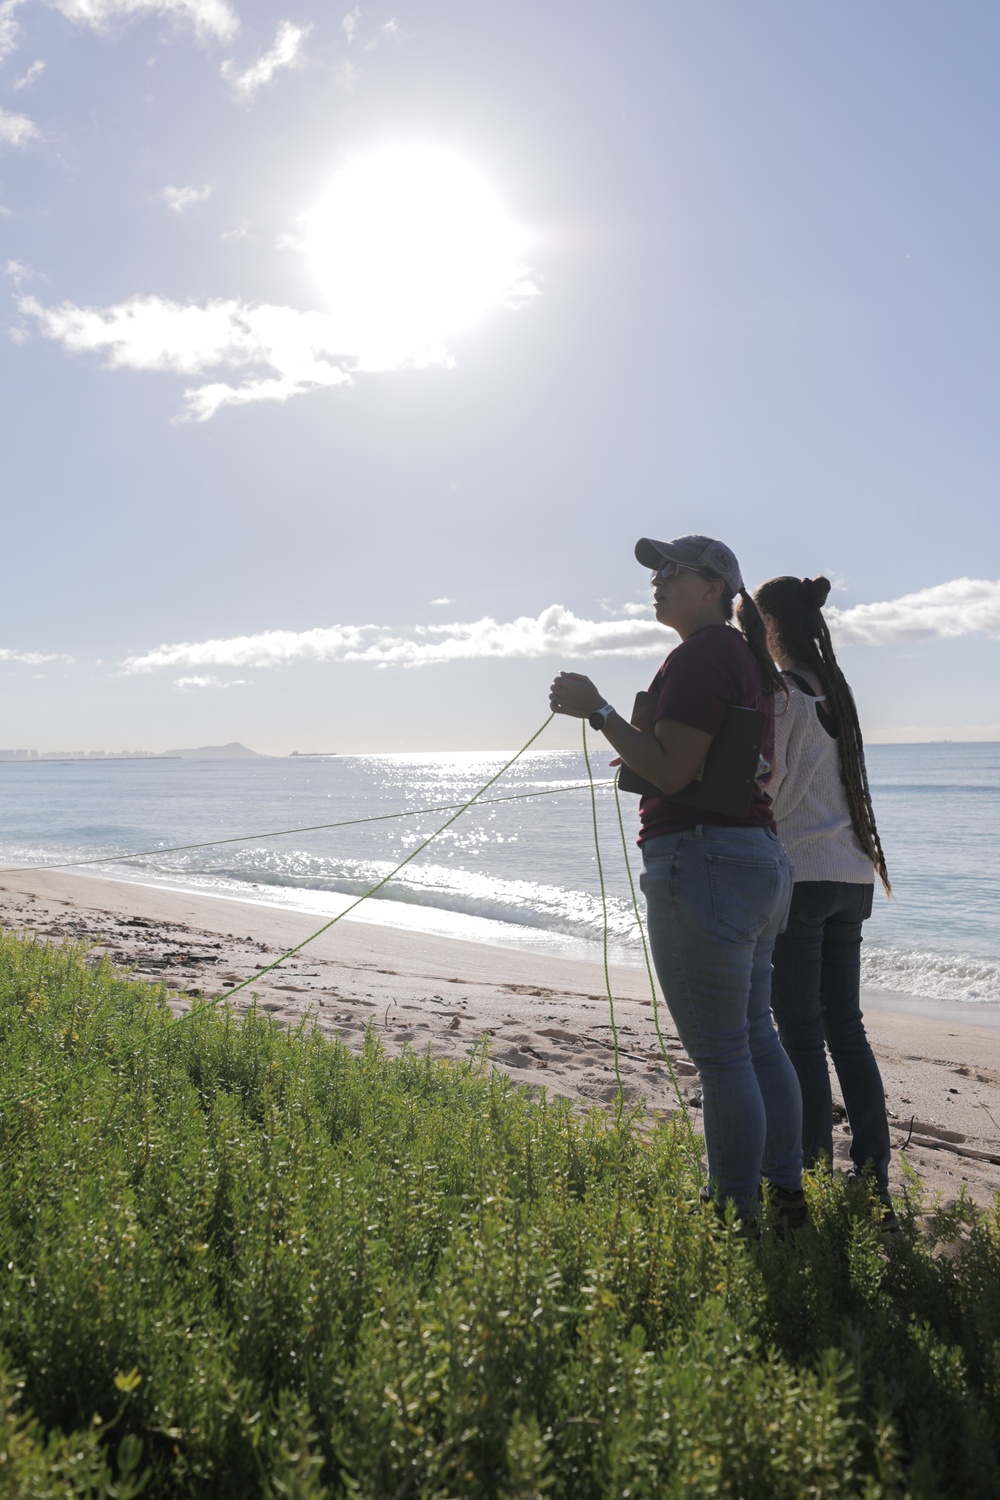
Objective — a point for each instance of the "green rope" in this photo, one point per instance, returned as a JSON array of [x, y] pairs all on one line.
[[378, 884], [279, 833], [695, 1149], [456, 809], [463, 807], [604, 908]]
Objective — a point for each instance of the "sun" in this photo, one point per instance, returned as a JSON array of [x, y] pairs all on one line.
[[410, 245]]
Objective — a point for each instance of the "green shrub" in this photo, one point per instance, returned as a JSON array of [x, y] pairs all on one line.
[[238, 1261]]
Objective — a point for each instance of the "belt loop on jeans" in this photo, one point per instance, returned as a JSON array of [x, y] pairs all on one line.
[[699, 830]]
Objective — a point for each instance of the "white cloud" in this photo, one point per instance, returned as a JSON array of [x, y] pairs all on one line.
[[180, 199], [947, 610], [18, 272], [285, 352], [389, 31], [442, 601], [188, 684], [9, 29], [286, 52], [555, 632], [353, 23], [35, 71], [16, 130], [409, 246], [630, 611], [209, 19], [31, 658]]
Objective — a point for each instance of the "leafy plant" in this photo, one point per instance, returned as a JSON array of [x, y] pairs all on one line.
[[238, 1260]]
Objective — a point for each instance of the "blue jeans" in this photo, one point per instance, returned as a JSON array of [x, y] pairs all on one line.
[[816, 998], [716, 899]]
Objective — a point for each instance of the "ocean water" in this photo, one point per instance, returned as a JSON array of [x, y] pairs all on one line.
[[520, 872]]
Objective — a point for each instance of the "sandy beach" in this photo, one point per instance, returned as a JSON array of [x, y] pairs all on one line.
[[546, 1019]]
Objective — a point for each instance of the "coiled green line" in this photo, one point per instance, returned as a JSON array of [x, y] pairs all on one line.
[[693, 1148], [620, 1105]]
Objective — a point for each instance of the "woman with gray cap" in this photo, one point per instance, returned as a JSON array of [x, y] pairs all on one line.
[[717, 887]]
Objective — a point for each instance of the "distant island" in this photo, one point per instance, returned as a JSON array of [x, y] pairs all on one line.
[[233, 751]]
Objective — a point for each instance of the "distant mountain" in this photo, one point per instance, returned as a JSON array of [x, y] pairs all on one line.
[[235, 751]]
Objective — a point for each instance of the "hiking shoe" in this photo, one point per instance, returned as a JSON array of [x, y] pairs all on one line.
[[792, 1209], [746, 1224], [888, 1223]]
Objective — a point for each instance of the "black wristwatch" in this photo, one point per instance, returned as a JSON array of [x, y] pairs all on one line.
[[599, 718]]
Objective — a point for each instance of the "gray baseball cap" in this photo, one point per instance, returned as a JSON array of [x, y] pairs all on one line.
[[693, 552]]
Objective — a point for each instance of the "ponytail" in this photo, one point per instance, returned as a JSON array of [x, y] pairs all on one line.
[[755, 633]]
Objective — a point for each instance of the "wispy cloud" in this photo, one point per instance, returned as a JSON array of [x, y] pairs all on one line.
[[9, 29], [18, 272], [411, 247], [35, 71], [209, 19], [964, 606], [32, 658], [180, 199], [285, 52], [285, 352], [357, 32], [555, 632], [16, 130], [207, 680]]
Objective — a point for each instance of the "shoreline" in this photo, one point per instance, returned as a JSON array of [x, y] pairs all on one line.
[[545, 1018]]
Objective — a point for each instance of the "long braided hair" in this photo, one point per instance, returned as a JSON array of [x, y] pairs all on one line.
[[796, 606]]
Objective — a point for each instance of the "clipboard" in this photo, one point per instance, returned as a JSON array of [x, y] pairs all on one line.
[[726, 780]]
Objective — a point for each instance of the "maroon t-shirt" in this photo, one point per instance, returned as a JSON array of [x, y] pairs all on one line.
[[712, 668]]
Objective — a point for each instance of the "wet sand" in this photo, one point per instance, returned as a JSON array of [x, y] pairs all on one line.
[[546, 1019]]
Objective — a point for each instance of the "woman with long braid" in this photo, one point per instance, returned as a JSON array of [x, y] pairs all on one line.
[[823, 807]]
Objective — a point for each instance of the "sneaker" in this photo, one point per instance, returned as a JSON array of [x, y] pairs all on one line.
[[793, 1210], [888, 1223], [746, 1225]]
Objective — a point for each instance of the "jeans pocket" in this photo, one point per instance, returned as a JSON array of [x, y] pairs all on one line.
[[657, 868], [744, 893]]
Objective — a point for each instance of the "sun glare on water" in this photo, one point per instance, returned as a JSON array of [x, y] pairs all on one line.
[[410, 245]]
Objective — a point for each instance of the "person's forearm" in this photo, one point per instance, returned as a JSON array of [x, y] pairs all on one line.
[[644, 754]]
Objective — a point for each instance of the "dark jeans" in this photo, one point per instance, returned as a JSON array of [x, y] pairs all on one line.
[[815, 996]]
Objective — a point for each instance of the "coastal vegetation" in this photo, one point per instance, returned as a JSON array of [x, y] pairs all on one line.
[[241, 1261]]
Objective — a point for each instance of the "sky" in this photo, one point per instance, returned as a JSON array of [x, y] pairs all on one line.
[[346, 353]]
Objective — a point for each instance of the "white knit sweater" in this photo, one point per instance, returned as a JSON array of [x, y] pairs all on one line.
[[810, 804]]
